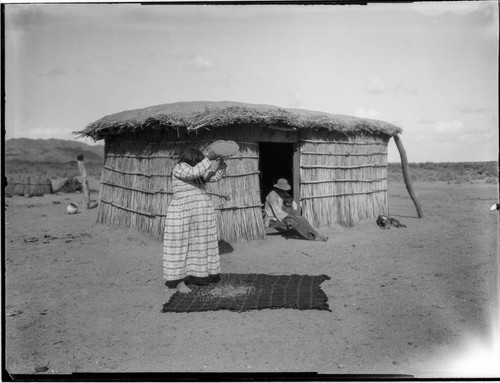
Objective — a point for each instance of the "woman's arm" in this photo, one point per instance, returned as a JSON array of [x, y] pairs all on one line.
[[185, 172], [214, 176]]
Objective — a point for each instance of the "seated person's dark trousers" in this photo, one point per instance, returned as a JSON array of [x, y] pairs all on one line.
[[301, 226]]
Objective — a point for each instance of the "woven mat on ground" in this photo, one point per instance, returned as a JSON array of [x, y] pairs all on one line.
[[242, 292]]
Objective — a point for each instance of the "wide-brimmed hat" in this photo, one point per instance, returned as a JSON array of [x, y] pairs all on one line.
[[282, 184]]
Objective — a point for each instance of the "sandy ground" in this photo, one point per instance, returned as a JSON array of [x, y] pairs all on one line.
[[83, 297]]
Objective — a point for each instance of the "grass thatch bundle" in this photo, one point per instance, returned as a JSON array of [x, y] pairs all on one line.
[[71, 185], [192, 116], [28, 185]]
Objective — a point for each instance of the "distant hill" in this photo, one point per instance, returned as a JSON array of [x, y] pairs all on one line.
[[52, 157], [51, 150], [451, 172]]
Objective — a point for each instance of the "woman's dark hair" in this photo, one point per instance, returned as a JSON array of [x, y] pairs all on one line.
[[191, 156]]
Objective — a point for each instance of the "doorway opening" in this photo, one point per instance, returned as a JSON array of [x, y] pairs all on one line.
[[275, 162]]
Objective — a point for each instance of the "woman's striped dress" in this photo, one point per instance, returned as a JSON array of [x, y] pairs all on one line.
[[190, 243]]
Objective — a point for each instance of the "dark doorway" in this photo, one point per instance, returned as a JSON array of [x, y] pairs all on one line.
[[275, 162]]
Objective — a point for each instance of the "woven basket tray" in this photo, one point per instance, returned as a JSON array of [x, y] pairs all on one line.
[[224, 148]]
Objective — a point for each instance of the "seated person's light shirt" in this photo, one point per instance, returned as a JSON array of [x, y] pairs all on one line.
[[274, 207]]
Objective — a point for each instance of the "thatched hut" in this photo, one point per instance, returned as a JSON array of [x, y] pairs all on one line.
[[337, 164], [28, 185]]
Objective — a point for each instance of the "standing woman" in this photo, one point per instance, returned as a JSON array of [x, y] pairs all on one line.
[[190, 242]]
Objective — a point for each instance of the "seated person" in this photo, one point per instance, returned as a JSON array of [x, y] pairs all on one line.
[[281, 208]]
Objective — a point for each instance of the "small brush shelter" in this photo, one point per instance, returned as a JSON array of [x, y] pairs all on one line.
[[337, 165]]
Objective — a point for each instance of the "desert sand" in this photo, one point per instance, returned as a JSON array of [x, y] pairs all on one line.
[[85, 297]]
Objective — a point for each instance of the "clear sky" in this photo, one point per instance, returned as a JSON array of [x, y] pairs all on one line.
[[430, 68]]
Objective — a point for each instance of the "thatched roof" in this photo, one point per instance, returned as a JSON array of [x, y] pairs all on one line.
[[205, 114]]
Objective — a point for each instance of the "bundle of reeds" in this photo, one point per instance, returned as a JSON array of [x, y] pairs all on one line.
[[70, 185], [28, 185]]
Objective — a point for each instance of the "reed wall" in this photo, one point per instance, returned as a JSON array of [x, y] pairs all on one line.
[[136, 184], [343, 178], [23, 184]]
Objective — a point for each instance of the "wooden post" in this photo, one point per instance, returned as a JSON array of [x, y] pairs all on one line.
[[296, 174], [406, 174], [85, 184]]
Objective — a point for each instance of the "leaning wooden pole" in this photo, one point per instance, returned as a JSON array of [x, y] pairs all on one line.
[[406, 174], [85, 183]]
